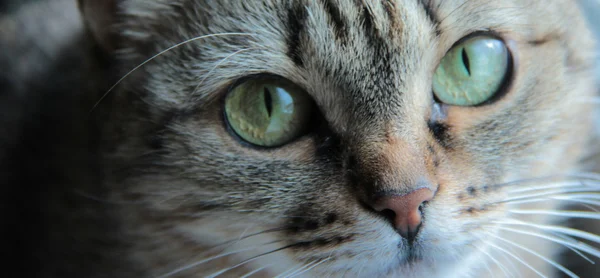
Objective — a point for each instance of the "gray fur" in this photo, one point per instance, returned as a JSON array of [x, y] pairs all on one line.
[[174, 182]]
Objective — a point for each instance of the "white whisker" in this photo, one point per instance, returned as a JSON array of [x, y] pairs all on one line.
[[562, 213], [549, 194], [218, 65], [557, 229], [574, 178], [290, 270], [311, 267], [517, 258], [580, 200], [585, 257], [248, 261], [553, 263], [256, 271], [560, 185], [159, 54], [579, 245], [595, 196], [197, 263], [500, 265]]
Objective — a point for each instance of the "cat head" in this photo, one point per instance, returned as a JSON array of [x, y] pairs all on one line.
[[361, 137]]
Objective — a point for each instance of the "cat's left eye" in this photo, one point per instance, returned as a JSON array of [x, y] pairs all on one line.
[[268, 112], [472, 72]]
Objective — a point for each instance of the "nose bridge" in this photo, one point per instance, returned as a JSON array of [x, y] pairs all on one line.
[[393, 166], [402, 167]]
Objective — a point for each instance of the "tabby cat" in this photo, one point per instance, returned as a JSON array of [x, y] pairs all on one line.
[[335, 138]]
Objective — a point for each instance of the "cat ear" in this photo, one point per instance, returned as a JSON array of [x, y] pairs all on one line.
[[99, 16]]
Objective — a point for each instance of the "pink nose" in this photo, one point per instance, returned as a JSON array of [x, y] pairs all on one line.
[[404, 211]]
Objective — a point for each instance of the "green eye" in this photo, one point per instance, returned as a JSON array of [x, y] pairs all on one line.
[[471, 72], [268, 112]]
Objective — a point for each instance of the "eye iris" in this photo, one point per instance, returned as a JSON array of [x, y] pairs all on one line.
[[267, 113], [471, 72]]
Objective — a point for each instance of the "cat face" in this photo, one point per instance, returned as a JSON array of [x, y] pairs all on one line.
[[379, 166]]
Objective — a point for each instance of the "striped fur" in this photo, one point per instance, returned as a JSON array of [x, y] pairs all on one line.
[[183, 189]]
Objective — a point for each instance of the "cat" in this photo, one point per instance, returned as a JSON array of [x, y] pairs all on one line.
[[328, 138]]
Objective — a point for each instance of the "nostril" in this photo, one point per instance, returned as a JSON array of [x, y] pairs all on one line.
[[388, 214], [422, 206]]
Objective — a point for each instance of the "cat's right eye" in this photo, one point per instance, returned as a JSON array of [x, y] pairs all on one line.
[[268, 112], [472, 72]]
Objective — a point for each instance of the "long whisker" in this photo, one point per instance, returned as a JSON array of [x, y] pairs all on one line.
[[500, 265], [551, 262], [554, 185], [580, 200], [242, 237], [562, 213], [516, 258], [195, 264], [252, 259], [579, 246], [564, 237], [549, 194], [557, 229], [312, 267], [508, 260], [159, 54], [256, 271], [218, 65], [304, 266], [290, 270], [574, 177]]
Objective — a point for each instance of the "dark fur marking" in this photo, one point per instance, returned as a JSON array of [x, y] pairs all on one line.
[[542, 41], [337, 20], [133, 196], [155, 139], [258, 203], [472, 191], [320, 242], [537, 43], [311, 225], [390, 10], [296, 23], [440, 132], [431, 15], [156, 142], [434, 158], [370, 30], [331, 217]]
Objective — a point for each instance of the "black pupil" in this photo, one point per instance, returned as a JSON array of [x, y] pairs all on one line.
[[268, 101], [465, 59]]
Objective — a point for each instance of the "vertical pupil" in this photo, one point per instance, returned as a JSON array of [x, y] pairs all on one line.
[[268, 101], [465, 59]]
